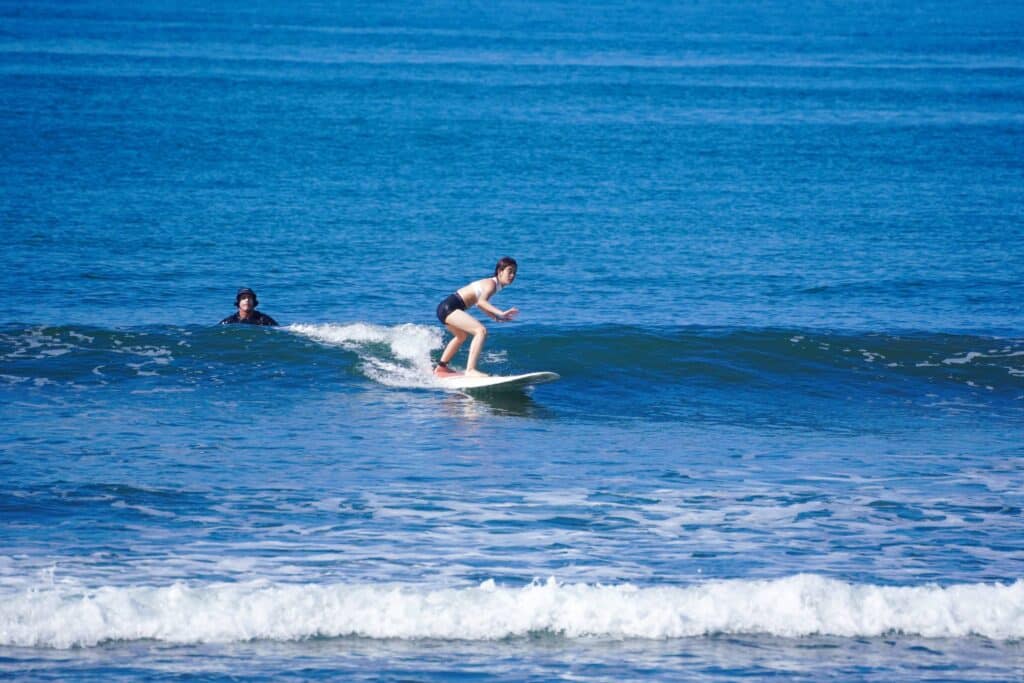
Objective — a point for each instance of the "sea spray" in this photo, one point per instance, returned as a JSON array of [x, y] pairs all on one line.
[[396, 356]]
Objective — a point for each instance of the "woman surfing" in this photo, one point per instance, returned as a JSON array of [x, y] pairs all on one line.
[[452, 313]]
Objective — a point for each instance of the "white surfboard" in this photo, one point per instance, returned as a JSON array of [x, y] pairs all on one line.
[[496, 383]]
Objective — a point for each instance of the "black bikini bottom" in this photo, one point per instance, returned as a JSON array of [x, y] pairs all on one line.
[[452, 303]]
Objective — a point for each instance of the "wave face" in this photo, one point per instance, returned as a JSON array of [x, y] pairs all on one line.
[[612, 371], [401, 355], [801, 605]]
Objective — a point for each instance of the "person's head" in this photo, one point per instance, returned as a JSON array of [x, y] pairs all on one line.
[[245, 299], [506, 270]]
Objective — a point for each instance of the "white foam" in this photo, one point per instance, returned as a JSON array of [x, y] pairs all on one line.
[[406, 362], [971, 355], [146, 510], [163, 390], [496, 356], [64, 615]]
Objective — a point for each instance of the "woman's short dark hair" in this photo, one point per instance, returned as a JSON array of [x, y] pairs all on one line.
[[503, 263]]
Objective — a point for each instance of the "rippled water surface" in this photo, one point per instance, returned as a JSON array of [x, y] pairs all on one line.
[[772, 249]]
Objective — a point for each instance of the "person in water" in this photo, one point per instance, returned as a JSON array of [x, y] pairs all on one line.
[[246, 303], [452, 312]]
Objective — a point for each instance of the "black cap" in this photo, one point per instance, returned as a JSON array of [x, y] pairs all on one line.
[[245, 291]]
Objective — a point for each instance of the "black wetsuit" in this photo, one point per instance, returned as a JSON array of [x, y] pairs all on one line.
[[255, 318]]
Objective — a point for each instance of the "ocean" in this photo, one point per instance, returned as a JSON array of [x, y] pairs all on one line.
[[774, 250]]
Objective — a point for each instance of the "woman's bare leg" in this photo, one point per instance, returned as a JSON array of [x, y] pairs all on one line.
[[460, 322], [475, 347], [458, 336]]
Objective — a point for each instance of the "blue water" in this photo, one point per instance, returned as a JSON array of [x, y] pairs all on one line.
[[773, 249]]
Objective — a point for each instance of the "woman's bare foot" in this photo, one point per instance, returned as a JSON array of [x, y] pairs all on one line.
[[475, 373]]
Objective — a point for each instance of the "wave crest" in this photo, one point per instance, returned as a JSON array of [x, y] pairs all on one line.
[[397, 356], [802, 605]]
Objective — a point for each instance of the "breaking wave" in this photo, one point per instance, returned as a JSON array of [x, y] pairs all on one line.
[[395, 356], [63, 616], [869, 366]]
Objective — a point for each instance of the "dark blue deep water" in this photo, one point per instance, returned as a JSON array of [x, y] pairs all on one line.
[[773, 249]]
